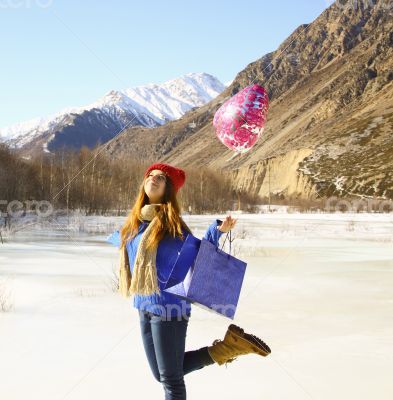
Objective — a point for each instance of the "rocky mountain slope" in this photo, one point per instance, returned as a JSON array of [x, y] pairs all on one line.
[[330, 121]]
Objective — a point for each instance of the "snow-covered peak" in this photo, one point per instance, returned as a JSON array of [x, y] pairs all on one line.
[[173, 98], [159, 102], [38, 125]]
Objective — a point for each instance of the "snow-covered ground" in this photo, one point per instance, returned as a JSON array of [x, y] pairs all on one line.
[[317, 290]]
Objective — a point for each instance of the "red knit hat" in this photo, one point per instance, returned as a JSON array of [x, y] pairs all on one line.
[[176, 175]]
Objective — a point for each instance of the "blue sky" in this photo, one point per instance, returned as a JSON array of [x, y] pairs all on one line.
[[63, 53]]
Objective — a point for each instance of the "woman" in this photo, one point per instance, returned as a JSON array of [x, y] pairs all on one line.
[[151, 238]]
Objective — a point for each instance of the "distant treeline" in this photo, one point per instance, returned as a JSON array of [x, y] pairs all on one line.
[[89, 181]]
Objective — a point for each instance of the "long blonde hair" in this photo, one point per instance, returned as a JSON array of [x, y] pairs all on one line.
[[170, 221]]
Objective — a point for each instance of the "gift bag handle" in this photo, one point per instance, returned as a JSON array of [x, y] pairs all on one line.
[[230, 249], [230, 242]]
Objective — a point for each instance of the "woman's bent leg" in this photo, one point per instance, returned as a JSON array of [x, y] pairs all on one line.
[[196, 359], [164, 344]]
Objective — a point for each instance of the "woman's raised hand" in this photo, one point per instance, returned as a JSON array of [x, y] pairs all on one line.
[[227, 224]]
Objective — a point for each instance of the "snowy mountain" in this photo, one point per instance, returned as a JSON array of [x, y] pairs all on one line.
[[150, 106]]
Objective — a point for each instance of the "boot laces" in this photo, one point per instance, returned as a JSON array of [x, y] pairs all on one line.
[[230, 359], [256, 338]]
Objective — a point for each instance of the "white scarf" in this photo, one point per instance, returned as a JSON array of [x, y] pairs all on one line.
[[144, 280]]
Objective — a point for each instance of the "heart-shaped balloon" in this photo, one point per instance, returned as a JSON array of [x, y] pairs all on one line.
[[240, 121]]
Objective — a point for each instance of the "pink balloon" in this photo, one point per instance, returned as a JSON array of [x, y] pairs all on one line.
[[240, 121]]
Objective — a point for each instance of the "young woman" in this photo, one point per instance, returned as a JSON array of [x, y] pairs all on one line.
[[151, 238]]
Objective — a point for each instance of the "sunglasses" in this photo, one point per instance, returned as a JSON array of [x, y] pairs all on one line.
[[160, 177]]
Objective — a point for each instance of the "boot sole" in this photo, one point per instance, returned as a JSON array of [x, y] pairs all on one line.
[[258, 345]]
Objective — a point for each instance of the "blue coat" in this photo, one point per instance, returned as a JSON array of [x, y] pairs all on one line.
[[165, 304]]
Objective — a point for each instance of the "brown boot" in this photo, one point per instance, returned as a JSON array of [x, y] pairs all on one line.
[[236, 342]]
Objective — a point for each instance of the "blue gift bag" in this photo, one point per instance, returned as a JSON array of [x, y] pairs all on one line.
[[212, 281], [184, 261], [114, 238]]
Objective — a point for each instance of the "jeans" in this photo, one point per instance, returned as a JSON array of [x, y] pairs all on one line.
[[164, 342]]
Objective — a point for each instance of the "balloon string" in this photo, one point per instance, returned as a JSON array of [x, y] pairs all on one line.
[[233, 156]]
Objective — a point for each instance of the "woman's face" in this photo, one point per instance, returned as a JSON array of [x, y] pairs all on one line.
[[155, 185]]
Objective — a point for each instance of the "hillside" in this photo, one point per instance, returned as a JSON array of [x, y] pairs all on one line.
[[330, 121]]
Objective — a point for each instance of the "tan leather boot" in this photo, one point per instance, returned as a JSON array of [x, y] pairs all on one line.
[[236, 342]]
